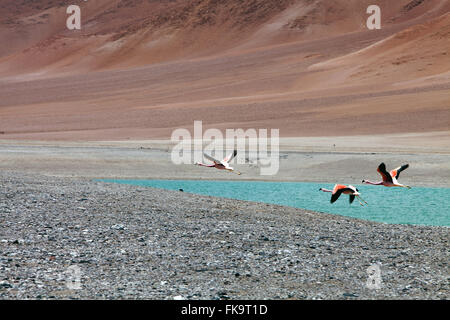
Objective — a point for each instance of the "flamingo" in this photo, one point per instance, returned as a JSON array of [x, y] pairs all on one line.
[[221, 165], [389, 178], [343, 189]]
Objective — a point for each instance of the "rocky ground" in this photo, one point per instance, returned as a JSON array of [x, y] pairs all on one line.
[[125, 242]]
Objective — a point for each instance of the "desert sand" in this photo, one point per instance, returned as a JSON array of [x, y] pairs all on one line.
[[138, 70], [103, 101]]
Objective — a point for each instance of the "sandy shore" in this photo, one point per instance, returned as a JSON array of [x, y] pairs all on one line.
[[337, 159], [133, 242]]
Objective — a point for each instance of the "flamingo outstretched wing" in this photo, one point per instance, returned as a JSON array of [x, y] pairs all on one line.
[[230, 156], [337, 191], [384, 174], [396, 172], [351, 198], [207, 156]]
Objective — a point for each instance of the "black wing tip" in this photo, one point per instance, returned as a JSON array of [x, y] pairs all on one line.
[[335, 196], [351, 198], [403, 167]]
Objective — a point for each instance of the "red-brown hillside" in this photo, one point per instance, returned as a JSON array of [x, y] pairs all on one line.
[[140, 68]]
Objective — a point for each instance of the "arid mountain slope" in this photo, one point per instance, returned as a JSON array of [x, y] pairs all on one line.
[[140, 68]]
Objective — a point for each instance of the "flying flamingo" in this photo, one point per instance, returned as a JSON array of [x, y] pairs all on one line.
[[343, 189], [389, 178], [221, 165]]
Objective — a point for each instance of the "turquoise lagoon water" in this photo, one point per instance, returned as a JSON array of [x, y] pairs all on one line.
[[419, 205]]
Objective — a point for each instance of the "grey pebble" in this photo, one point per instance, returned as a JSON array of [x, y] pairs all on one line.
[[130, 242]]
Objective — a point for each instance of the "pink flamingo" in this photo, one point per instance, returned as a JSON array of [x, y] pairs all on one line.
[[343, 189], [389, 178], [221, 165]]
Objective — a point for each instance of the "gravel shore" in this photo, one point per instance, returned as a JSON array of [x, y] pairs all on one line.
[[142, 243]]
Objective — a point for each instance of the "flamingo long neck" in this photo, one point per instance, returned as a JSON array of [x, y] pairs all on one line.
[[204, 165], [326, 190], [374, 183]]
